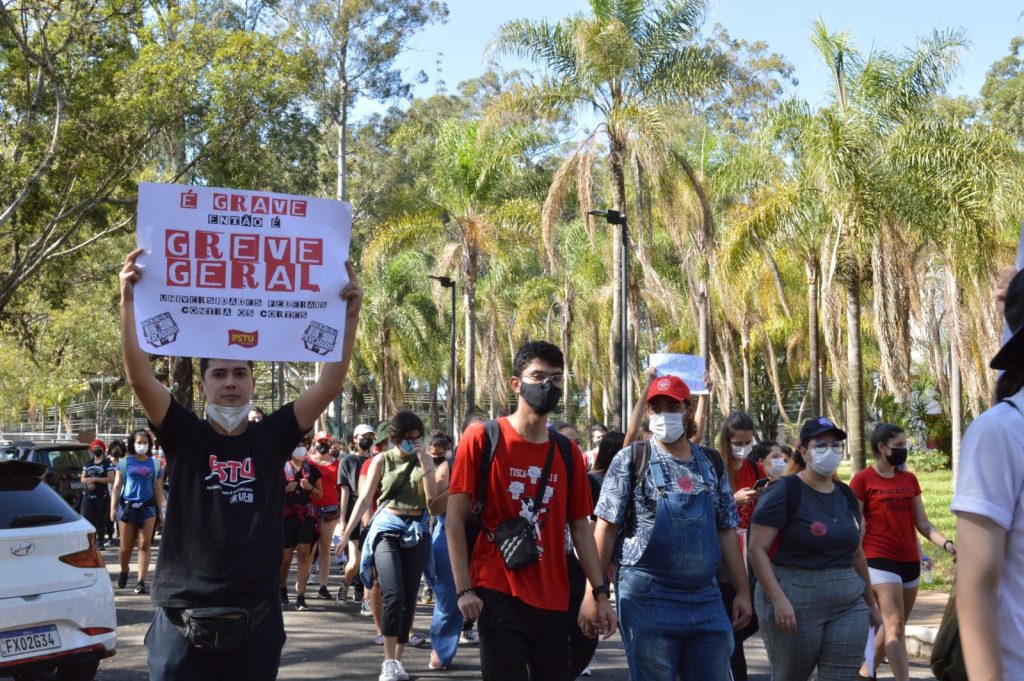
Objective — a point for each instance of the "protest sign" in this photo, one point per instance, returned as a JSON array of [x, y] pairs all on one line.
[[237, 274], [690, 368]]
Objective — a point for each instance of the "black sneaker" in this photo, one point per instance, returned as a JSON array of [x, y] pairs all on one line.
[[324, 593], [300, 602], [122, 580], [140, 588], [284, 596], [342, 596]]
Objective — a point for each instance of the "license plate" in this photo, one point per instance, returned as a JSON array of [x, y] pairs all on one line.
[[24, 641]]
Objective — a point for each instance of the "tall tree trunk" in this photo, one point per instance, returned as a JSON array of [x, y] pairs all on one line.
[[855, 379], [618, 151], [704, 245], [745, 355], [432, 388], [470, 271], [954, 301], [568, 398], [813, 352]]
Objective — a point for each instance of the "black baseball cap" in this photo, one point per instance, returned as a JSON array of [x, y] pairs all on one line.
[[819, 426], [1012, 353]]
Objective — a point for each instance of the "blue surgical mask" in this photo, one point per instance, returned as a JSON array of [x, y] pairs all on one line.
[[408, 446]]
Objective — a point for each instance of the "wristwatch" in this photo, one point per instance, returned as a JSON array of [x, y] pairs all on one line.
[[601, 589]]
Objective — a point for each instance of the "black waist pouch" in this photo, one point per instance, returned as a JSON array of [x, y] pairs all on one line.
[[515, 540], [221, 630]]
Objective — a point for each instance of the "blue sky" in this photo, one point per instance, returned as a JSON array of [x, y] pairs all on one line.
[[783, 24]]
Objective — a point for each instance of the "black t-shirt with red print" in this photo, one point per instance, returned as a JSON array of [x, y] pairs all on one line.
[[223, 536], [822, 533]]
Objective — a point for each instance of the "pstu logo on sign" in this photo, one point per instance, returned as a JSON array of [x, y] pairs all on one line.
[[245, 339]]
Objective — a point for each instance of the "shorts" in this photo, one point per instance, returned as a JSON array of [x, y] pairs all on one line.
[[885, 571], [134, 516], [299, 531], [327, 513]]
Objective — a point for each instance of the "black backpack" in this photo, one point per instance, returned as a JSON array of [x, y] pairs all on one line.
[[492, 436]]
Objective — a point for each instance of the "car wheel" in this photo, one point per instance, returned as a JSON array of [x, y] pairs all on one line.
[[67, 671]]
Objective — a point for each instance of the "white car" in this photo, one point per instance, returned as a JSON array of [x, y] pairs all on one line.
[[57, 614]]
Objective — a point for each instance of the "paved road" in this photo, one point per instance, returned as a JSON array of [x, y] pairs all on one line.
[[332, 642]]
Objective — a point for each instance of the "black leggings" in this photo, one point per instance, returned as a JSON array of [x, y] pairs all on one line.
[[97, 511], [399, 571]]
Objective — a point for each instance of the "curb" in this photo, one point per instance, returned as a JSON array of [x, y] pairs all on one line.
[[920, 640]]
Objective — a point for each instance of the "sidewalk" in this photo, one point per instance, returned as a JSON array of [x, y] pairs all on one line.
[[924, 622]]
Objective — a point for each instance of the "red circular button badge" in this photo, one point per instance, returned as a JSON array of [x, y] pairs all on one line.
[[819, 529], [686, 484]]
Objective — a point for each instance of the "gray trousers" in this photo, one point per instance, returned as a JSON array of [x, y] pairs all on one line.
[[831, 623]]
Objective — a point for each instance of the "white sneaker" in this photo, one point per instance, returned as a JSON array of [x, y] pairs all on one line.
[[387, 671], [469, 637], [400, 672]]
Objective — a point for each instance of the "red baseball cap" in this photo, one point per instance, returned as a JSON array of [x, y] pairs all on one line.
[[669, 386], [322, 435], [98, 443]]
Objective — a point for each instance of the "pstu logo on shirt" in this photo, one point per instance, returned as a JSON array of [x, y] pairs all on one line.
[[234, 479], [245, 339]]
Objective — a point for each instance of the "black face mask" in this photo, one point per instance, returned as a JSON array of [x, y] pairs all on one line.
[[542, 397], [322, 448], [365, 444], [897, 456], [438, 460], [97, 453]]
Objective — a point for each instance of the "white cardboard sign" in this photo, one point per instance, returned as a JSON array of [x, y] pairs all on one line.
[[690, 368], [238, 274]]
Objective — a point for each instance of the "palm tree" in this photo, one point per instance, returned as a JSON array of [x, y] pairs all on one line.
[[400, 336], [473, 211], [843, 145], [623, 62]]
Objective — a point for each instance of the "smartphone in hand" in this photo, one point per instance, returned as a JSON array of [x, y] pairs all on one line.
[[761, 484]]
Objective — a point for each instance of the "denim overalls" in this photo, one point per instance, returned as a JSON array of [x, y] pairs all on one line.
[[670, 608]]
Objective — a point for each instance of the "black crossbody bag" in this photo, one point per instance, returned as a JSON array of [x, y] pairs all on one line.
[[515, 537]]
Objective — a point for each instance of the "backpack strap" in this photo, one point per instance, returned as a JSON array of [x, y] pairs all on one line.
[[851, 501], [793, 493], [492, 436], [565, 447], [640, 454], [715, 458]]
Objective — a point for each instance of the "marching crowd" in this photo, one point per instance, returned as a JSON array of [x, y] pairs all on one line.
[[521, 537]]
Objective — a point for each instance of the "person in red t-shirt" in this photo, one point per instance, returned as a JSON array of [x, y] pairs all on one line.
[[736, 442], [890, 503], [327, 505], [523, 614]]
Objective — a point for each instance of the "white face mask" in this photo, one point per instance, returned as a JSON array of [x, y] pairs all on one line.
[[776, 467], [667, 427], [827, 463], [299, 453], [742, 452], [141, 449], [228, 418]]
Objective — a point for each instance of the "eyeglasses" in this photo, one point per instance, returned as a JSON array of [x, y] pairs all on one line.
[[540, 377], [824, 448]]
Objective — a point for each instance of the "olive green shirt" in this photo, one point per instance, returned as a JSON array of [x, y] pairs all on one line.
[[410, 496]]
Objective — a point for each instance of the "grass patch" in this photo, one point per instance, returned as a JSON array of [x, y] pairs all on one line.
[[937, 493]]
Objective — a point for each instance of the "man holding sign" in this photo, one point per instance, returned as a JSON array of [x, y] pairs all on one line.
[[218, 615]]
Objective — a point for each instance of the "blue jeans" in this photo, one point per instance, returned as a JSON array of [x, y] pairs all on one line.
[[668, 631], [447, 623]]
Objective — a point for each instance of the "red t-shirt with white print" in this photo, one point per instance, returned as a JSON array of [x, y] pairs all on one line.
[[515, 474]]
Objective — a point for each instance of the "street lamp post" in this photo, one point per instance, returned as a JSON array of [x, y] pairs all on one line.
[[450, 284], [614, 217]]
